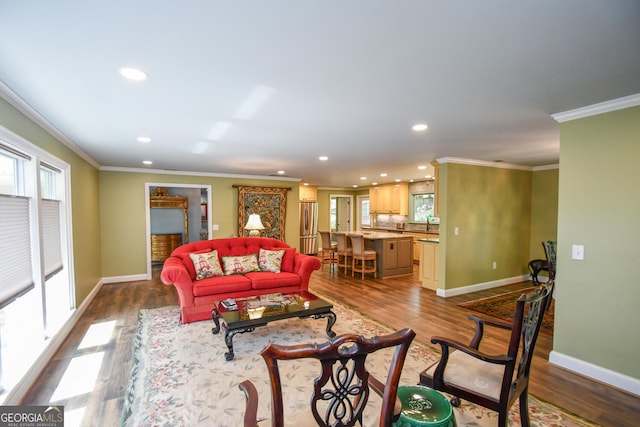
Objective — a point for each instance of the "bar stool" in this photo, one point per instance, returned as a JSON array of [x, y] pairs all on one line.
[[328, 251], [362, 261], [343, 250]]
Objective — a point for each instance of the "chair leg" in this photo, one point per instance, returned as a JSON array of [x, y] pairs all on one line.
[[455, 401], [524, 409]]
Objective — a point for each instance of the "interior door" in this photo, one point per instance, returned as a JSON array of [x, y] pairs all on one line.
[[343, 214]]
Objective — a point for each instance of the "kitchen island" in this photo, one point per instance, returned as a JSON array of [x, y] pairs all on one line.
[[394, 252]]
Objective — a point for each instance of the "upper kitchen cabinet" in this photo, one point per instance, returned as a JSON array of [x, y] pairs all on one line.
[[308, 193], [389, 199]]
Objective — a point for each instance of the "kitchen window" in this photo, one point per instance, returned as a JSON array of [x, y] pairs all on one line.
[[422, 207]]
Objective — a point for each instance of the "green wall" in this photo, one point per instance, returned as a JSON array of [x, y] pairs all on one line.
[[123, 211], [544, 210], [84, 199], [491, 207], [597, 299]]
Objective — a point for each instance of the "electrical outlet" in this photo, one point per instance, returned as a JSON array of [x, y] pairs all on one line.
[[215, 227], [456, 231], [494, 265], [577, 252]]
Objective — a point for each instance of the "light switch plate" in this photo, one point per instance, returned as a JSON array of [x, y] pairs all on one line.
[[577, 252]]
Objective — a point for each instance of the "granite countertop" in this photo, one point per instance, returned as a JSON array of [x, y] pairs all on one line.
[[403, 230], [377, 235], [429, 240]]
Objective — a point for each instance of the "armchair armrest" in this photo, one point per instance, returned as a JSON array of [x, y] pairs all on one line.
[[251, 396], [446, 344]]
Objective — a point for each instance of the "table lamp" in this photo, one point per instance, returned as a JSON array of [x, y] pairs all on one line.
[[254, 225]]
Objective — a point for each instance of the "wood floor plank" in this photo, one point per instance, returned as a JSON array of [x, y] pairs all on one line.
[[394, 302]]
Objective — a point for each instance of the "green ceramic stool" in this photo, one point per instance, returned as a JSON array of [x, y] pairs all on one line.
[[424, 407]]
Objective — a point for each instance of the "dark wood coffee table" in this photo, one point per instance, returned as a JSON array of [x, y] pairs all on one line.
[[259, 311]]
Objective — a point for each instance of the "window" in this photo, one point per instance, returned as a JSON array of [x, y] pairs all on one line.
[[36, 289], [365, 215], [422, 209]]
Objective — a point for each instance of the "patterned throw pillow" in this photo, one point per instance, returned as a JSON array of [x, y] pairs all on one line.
[[240, 264], [206, 264], [270, 260]]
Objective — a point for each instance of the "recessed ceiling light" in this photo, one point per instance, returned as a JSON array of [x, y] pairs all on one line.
[[428, 176], [144, 139], [147, 162], [398, 180], [363, 178], [374, 183], [281, 173], [355, 185], [132, 74], [422, 167], [383, 174], [306, 183], [419, 127], [323, 158]]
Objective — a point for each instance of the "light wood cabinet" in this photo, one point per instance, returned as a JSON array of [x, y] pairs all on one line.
[[429, 259], [308, 193], [389, 199], [163, 244]]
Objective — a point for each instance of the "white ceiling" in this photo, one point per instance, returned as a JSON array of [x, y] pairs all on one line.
[[347, 80]]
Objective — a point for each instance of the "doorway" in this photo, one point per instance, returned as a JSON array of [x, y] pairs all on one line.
[[340, 213], [196, 226]]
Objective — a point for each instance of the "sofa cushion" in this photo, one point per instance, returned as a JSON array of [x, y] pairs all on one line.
[[220, 285], [206, 264], [270, 260], [268, 280], [186, 259], [240, 264]]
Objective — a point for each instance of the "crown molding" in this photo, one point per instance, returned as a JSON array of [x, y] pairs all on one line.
[[600, 108], [486, 163], [189, 173], [21, 105]]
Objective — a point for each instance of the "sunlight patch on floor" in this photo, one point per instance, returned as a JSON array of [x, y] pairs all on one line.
[[80, 377], [98, 334]]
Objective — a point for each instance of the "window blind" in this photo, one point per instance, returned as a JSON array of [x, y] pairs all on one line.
[[15, 247], [51, 237]]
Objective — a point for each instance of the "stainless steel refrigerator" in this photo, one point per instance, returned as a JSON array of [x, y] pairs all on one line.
[[308, 227]]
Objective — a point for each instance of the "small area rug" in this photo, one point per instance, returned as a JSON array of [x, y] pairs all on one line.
[[503, 307], [179, 376]]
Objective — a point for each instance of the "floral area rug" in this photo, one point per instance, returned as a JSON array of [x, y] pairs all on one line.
[[179, 376], [503, 307]]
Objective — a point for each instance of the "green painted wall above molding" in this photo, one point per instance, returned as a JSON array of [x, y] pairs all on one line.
[[491, 209], [597, 298]]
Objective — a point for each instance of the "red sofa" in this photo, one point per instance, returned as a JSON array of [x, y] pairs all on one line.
[[196, 297]]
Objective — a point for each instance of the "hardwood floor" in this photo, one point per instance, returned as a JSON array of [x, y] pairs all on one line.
[[96, 399]]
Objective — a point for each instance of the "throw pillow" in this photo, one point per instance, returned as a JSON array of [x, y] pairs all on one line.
[[206, 265], [188, 262], [270, 260], [240, 264]]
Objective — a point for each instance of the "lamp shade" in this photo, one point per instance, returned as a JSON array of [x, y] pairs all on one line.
[[254, 225]]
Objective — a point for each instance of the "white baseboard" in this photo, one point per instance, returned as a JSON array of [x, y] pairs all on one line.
[[130, 278], [480, 286], [595, 372], [19, 392]]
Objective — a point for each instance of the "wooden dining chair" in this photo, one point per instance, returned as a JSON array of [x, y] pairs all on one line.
[[362, 260], [343, 250], [488, 380], [340, 393]]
